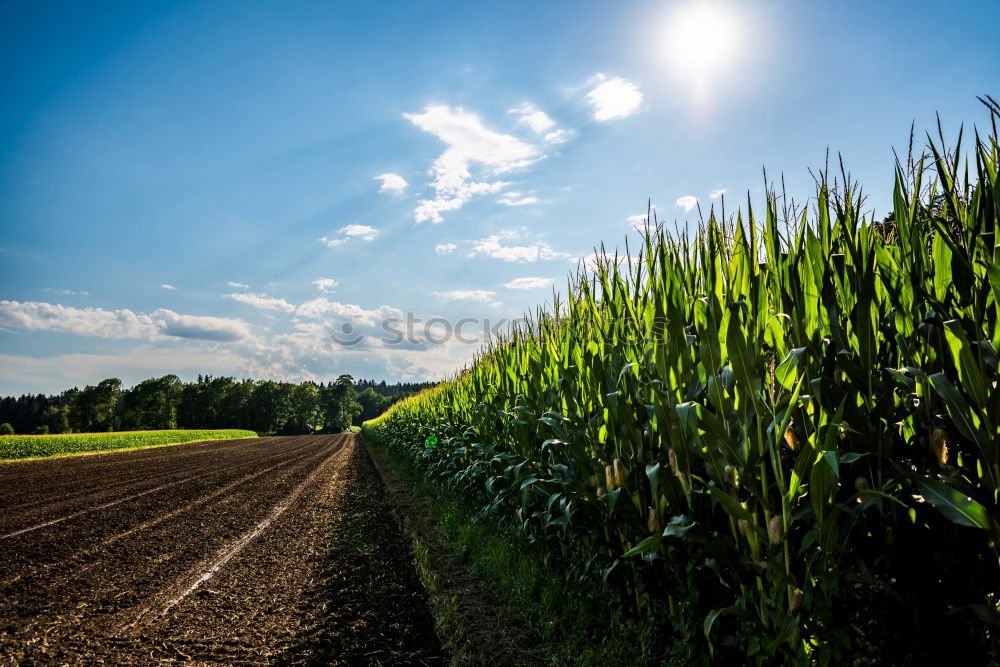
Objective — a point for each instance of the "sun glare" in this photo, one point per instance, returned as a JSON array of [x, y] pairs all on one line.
[[702, 40]]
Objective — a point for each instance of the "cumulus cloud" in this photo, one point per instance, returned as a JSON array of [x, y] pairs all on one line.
[[496, 246], [445, 248], [529, 283], [123, 323], [466, 295], [323, 308], [715, 194], [613, 98], [325, 284], [470, 144], [637, 219], [167, 286], [536, 119], [348, 233], [687, 202], [515, 199], [262, 302], [237, 285], [217, 329], [391, 183]]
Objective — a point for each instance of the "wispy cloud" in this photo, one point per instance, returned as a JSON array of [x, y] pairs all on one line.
[[167, 286], [445, 248], [391, 183], [262, 302], [325, 284], [613, 98], [65, 292], [237, 285], [715, 194], [529, 283], [470, 144], [687, 202], [466, 295], [515, 199], [558, 136], [100, 323], [350, 232]]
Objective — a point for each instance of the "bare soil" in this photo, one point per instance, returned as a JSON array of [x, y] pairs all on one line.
[[268, 551]]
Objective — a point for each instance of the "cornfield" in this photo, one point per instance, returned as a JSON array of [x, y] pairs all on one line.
[[776, 438], [25, 446]]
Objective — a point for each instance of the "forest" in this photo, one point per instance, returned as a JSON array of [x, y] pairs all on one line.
[[265, 406]]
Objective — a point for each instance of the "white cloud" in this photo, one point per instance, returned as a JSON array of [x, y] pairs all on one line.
[[558, 136], [535, 118], [493, 246], [65, 292], [445, 248], [470, 143], [638, 219], [363, 232], [613, 98], [466, 295], [322, 308], [167, 286], [687, 202], [715, 194], [529, 283], [359, 232], [262, 302], [515, 199], [391, 183], [237, 285], [123, 323], [325, 284]]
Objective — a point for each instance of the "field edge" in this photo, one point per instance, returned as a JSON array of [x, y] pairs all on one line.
[[473, 625], [116, 450]]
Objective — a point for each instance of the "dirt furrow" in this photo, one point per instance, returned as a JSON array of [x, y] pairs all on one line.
[[226, 557]]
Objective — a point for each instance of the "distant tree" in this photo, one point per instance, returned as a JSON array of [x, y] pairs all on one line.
[[340, 405], [304, 413], [42, 430], [54, 419], [208, 402], [270, 405], [96, 408], [152, 404], [6, 429], [372, 405]]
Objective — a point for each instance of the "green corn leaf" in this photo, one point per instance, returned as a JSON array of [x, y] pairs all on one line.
[[956, 506]]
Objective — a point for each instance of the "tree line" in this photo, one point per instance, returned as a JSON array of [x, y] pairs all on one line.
[[265, 406]]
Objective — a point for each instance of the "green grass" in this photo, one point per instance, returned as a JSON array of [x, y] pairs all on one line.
[[777, 437], [32, 446], [563, 623]]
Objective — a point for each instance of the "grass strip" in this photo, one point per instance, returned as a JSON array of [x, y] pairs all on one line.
[[494, 598], [26, 447]]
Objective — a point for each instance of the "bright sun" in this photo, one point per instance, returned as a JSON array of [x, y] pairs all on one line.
[[702, 39]]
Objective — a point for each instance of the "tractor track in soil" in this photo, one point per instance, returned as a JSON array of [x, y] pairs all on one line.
[[226, 551]]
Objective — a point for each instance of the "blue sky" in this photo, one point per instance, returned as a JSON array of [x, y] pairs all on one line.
[[220, 187]]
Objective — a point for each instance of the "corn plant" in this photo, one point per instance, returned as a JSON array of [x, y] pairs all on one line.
[[777, 434]]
